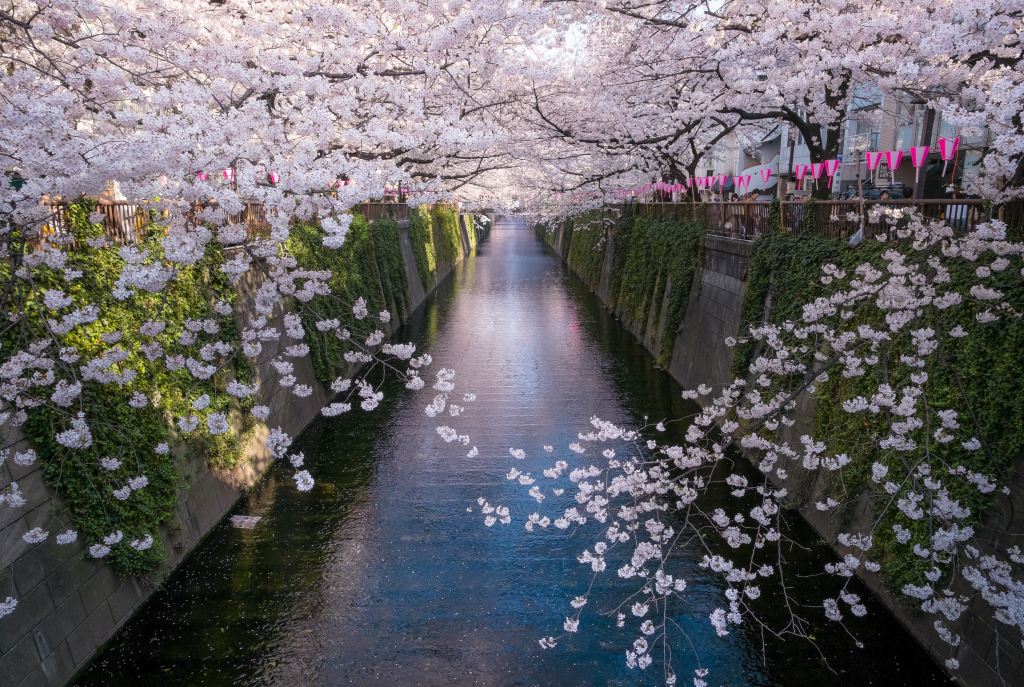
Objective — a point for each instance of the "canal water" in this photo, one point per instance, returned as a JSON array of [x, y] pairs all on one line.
[[380, 576]]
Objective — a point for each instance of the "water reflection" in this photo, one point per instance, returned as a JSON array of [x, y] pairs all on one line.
[[381, 577]]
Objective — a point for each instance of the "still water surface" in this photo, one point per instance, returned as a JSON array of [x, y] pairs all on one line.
[[380, 576]]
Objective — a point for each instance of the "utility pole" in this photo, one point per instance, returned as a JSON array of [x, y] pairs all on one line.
[[926, 139], [790, 134]]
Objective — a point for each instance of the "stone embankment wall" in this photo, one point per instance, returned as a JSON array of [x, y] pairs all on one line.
[[690, 346], [70, 605]]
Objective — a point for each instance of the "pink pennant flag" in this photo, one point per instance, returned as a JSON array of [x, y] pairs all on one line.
[[766, 174], [873, 157], [918, 156], [689, 181], [816, 169], [228, 174], [202, 176], [893, 158], [273, 177], [721, 181], [742, 183]]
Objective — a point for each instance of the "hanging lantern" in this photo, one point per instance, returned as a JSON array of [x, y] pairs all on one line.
[[918, 156], [831, 168], [893, 158], [947, 151], [801, 172]]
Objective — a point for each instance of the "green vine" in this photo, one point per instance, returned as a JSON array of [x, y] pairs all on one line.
[[649, 256], [368, 265], [120, 431], [436, 241], [980, 373]]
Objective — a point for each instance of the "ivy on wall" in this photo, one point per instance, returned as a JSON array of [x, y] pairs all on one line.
[[120, 431], [421, 233], [472, 230], [436, 241], [368, 265], [660, 254], [981, 373], [588, 243], [649, 256]]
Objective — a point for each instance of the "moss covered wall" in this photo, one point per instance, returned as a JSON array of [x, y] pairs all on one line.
[[643, 268], [69, 605]]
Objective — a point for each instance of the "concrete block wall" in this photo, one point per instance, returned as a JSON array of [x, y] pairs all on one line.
[[70, 605], [713, 313]]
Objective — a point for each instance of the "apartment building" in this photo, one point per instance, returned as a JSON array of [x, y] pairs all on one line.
[[875, 121]]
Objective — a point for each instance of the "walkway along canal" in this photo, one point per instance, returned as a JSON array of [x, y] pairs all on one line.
[[380, 576]]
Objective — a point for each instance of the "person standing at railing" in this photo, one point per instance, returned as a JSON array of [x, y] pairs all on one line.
[[796, 212]]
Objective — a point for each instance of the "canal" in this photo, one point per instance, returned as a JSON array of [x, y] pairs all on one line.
[[380, 576]]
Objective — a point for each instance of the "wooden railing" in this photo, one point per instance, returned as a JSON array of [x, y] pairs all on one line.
[[124, 222], [396, 211], [837, 218]]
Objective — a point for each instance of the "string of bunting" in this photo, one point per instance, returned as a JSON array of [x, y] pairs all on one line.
[[815, 170]]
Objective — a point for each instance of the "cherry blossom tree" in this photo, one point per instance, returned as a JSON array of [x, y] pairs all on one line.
[[197, 108]]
